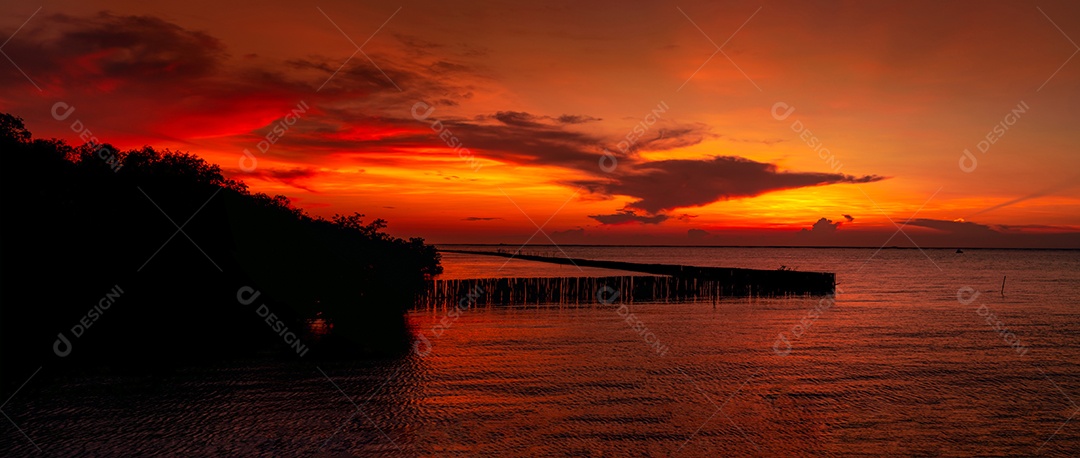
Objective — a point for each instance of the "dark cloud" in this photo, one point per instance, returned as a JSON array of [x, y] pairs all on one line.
[[953, 227], [355, 76], [576, 119], [627, 217], [697, 234], [849, 218], [677, 136], [1030, 228], [576, 235], [443, 67], [119, 60], [479, 218], [140, 46], [292, 177], [517, 118], [665, 185], [967, 233], [512, 137], [104, 61], [522, 119], [415, 42], [473, 51], [421, 47], [517, 139], [766, 142], [143, 57], [107, 49], [822, 226], [825, 225]]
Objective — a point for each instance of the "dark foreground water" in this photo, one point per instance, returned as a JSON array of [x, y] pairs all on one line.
[[920, 354]]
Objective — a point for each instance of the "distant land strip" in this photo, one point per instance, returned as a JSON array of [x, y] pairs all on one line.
[[737, 280]]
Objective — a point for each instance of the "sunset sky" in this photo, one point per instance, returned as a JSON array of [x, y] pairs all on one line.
[[529, 97]]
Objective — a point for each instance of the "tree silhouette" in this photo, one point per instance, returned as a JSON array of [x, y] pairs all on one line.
[[75, 225]]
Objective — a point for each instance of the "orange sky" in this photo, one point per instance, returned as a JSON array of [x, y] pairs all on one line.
[[886, 97]]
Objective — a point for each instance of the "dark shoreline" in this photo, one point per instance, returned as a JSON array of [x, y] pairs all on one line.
[[757, 246]]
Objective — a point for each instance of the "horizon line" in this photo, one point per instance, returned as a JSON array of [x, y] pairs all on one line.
[[760, 246]]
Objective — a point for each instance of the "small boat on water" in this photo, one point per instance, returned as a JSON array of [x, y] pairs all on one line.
[[959, 251]]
